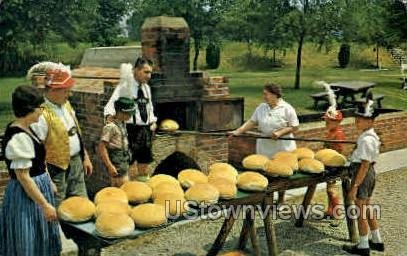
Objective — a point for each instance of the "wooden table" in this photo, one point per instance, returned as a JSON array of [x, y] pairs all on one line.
[[349, 89], [90, 244], [276, 184]]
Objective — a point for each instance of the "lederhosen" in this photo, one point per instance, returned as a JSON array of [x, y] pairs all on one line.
[[365, 189], [120, 158], [140, 136]]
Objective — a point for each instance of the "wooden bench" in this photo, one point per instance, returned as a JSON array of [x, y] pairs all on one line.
[[376, 97], [317, 97]]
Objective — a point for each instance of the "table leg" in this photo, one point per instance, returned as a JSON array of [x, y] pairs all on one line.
[[223, 233], [248, 223], [255, 242], [346, 183], [268, 224], [305, 203]]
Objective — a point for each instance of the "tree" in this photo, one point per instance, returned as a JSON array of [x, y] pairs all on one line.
[[105, 30], [242, 22], [26, 27], [312, 20]]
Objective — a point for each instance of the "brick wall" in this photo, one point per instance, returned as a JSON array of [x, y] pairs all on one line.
[[216, 86], [392, 129]]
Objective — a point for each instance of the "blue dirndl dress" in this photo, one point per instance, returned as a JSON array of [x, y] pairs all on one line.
[[23, 227]]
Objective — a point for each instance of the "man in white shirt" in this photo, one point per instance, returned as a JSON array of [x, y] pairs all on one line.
[[67, 159], [142, 124]]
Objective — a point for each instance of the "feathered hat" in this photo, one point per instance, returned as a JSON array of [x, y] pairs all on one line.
[[55, 75], [366, 109], [126, 81], [331, 113]]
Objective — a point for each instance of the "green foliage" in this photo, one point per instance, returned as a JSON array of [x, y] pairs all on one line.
[[27, 28], [212, 56], [105, 29], [344, 55]]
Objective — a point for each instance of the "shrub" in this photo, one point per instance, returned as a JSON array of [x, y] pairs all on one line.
[[212, 56], [344, 55]]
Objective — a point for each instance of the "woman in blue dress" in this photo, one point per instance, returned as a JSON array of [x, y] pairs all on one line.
[[28, 223]]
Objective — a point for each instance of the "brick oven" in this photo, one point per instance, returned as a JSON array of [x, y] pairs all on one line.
[[197, 102]]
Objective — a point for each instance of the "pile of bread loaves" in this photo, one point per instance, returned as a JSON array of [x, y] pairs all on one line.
[[285, 163], [157, 199]]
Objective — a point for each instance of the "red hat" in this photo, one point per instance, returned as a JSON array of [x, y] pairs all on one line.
[[59, 79], [333, 115]]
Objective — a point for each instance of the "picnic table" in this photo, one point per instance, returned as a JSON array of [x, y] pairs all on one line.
[[346, 91], [276, 184]]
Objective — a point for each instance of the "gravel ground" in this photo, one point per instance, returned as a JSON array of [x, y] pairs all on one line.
[[317, 237]]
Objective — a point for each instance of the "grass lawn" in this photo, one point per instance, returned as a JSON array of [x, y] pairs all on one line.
[[7, 86], [247, 79]]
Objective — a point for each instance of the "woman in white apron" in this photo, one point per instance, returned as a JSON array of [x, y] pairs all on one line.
[[275, 118]]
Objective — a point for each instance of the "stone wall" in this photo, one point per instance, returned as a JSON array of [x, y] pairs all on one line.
[[392, 129]]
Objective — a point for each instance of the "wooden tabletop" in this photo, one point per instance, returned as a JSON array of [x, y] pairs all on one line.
[[353, 85]]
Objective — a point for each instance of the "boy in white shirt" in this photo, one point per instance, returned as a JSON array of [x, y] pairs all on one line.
[[363, 180]]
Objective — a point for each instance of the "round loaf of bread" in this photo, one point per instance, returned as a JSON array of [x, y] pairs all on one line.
[[114, 207], [226, 188], [303, 153], [224, 171], [311, 165], [202, 193], [278, 168], [76, 209], [156, 179], [114, 225], [174, 203], [167, 187], [149, 215], [330, 158], [136, 191], [255, 162], [169, 125], [288, 158], [252, 181], [111, 194], [190, 177]]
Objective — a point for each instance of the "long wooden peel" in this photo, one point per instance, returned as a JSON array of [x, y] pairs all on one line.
[[252, 135]]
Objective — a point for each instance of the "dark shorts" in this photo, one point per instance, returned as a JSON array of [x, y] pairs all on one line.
[[120, 159], [365, 189], [140, 143]]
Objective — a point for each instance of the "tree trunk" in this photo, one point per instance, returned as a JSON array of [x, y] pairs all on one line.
[[377, 56], [298, 69], [274, 55], [197, 46]]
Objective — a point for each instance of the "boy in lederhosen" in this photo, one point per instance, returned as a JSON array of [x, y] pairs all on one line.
[[363, 179], [114, 145], [334, 131]]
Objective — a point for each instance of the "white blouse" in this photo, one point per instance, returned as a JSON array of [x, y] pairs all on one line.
[[270, 120], [20, 150]]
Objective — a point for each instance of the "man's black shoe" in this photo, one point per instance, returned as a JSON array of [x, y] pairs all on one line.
[[376, 246], [355, 250]]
